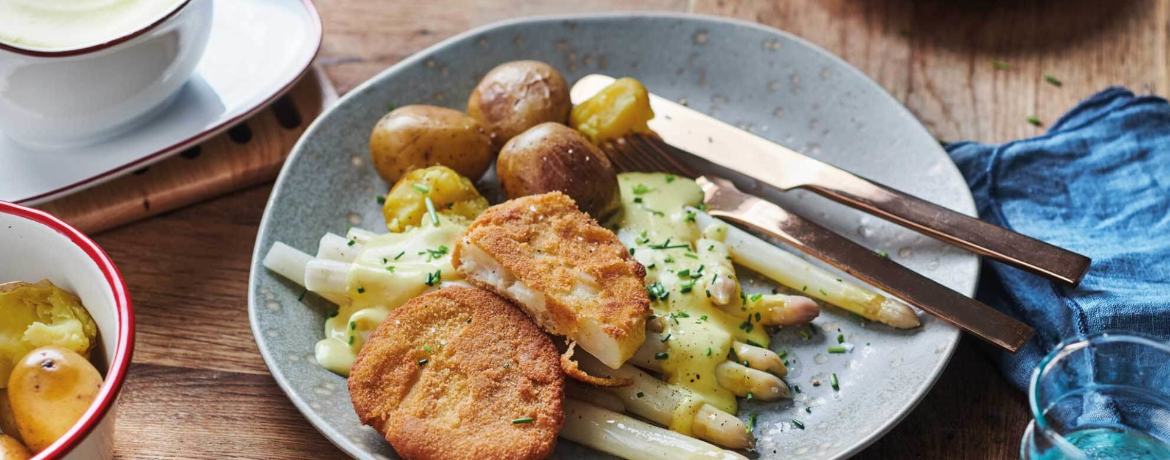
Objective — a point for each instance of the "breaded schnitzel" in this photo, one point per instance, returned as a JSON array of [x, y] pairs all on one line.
[[567, 272], [460, 373]]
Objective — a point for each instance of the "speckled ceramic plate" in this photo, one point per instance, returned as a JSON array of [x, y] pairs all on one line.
[[761, 79]]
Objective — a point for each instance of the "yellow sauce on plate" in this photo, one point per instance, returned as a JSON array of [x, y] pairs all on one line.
[[687, 262]]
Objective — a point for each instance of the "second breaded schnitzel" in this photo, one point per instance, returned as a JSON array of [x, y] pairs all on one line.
[[567, 272], [460, 374]]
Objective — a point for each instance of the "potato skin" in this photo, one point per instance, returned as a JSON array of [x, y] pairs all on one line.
[[417, 136], [11, 449], [50, 389], [553, 157], [518, 95]]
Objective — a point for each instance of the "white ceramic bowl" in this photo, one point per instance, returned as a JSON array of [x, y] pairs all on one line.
[[35, 246], [60, 99]]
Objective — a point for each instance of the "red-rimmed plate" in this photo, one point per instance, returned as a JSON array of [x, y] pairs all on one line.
[[257, 50]]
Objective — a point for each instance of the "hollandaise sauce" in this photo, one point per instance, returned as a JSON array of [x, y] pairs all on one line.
[[391, 269], [693, 288]]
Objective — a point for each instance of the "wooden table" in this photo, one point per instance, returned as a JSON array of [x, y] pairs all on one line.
[[198, 388]]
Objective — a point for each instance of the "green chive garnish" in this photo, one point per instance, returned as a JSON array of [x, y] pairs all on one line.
[[751, 424], [661, 355], [361, 290], [837, 350], [1000, 65], [756, 297], [380, 199], [350, 243], [399, 255], [1053, 81], [664, 339], [420, 188], [431, 211], [798, 423], [302, 296], [640, 394], [833, 382], [422, 361], [518, 421], [840, 338], [1034, 121]]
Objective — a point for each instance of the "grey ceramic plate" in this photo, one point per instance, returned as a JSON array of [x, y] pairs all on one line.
[[761, 79]]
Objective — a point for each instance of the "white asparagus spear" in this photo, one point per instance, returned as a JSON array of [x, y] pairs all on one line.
[[777, 309], [359, 235], [808, 279], [743, 380], [735, 377], [633, 439], [596, 396], [760, 358], [293, 264], [659, 402], [337, 247]]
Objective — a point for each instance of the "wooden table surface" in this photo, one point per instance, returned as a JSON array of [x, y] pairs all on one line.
[[199, 389]]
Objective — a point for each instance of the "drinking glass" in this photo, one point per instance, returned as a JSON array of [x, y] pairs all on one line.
[[1105, 396]]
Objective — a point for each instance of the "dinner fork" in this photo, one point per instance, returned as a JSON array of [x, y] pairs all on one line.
[[649, 153]]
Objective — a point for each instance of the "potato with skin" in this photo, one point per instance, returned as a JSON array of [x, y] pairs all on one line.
[[11, 449], [417, 136], [50, 389], [7, 420], [518, 95], [621, 108], [553, 157]]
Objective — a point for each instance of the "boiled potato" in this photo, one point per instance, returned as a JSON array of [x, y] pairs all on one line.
[[11, 449], [7, 420], [417, 136], [518, 95], [451, 195], [50, 389], [552, 156], [621, 108], [33, 315]]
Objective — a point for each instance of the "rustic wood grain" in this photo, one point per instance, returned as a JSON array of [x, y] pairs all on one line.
[[200, 390]]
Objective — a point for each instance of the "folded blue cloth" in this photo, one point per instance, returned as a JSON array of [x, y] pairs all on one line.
[[1098, 183]]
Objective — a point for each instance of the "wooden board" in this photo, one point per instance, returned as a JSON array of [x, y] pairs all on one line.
[[199, 389], [246, 154]]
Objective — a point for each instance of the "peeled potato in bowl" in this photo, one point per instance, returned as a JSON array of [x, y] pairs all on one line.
[[518, 95], [554, 157], [418, 136]]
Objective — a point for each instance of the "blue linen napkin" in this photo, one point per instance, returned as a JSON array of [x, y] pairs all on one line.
[[1098, 183]]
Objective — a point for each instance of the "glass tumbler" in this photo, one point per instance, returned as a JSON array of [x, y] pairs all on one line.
[[1105, 396]]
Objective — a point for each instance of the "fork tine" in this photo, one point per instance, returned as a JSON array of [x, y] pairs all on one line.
[[662, 154], [647, 153]]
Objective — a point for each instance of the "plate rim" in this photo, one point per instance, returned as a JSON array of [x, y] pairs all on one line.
[[316, 34], [322, 426]]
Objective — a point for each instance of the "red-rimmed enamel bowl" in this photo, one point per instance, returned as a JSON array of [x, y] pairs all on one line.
[[34, 246]]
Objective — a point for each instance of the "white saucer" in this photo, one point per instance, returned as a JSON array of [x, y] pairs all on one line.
[[257, 50]]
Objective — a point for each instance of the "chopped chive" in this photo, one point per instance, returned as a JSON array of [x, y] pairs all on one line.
[[798, 423], [756, 297], [420, 188], [883, 254], [1000, 65], [668, 260], [352, 325], [804, 334], [1053, 80], [823, 292], [747, 326], [664, 339], [640, 394], [350, 243], [753, 343], [656, 291], [380, 199], [632, 251], [641, 188], [804, 289], [691, 255], [431, 211], [757, 316], [661, 355], [637, 199], [782, 354], [666, 245], [302, 296], [808, 409], [686, 286], [351, 340], [427, 348], [708, 293], [749, 396], [670, 178], [837, 350], [682, 314], [656, 213], [704, 317], [685, 272], [840, 338], [333, 314], [1034, 121], [833, 382], [522, 420], [751, 424], [399, 255], [361, 290], [468, 320], [390, 269], [690, 216], [708, 351]]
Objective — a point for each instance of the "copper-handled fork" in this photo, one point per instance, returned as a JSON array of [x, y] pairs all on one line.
[[649, 153]]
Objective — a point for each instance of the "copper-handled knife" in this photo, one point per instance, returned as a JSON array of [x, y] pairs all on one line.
[[784, 169]]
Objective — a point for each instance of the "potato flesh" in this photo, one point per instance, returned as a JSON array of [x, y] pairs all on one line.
[[621, 108], [451, 194], [37, 315]]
